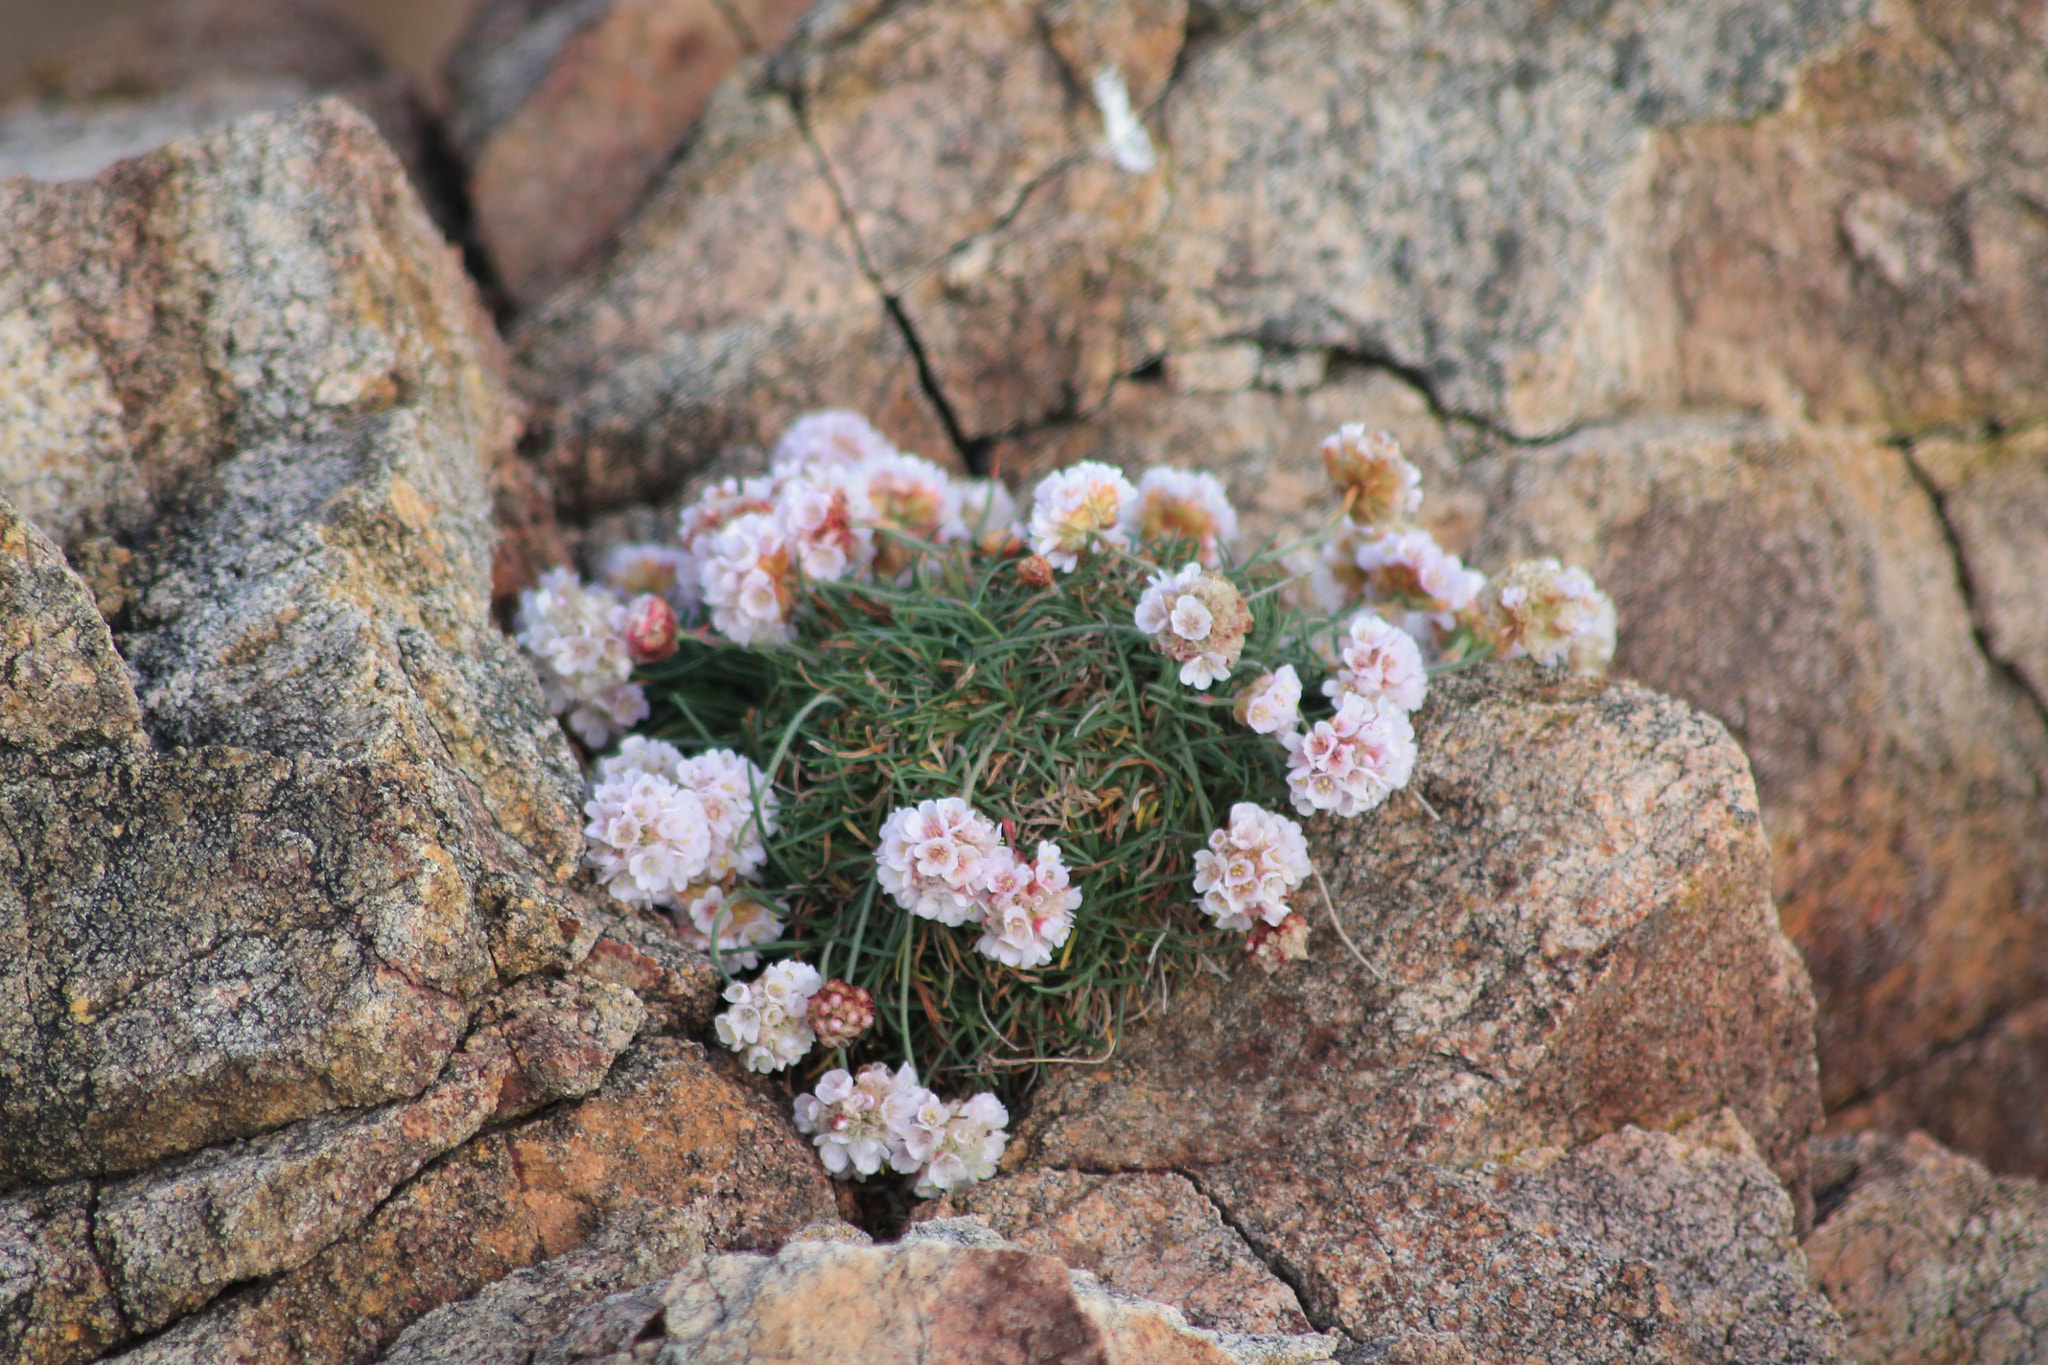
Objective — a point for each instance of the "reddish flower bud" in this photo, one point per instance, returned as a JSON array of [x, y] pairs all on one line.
[[840, 1012], [650, 629], [1035, 571]]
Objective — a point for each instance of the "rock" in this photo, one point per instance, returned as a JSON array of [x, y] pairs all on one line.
[[263, 870], [179, 70], [1153, 1236], [1634, 1246], [639, 1245], [1868, 252], [1928, 1257], [564, 112], [666, 1129], [950, 1291], [1799, 585], [56, 1306], [1580, 937], [704, 329], [1994, 499], [1981, 1095]]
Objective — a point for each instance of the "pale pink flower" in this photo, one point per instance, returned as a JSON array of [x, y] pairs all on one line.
[[1352, 761], [1272, 704], [932, 857], [1185, 504], [1076, 509], [1250, 867], [832, 439], [1379, 661], [1029, 907]]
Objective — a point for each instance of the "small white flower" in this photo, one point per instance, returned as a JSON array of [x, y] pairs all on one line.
[[932, 856], [1190, 619], [1379, 661], [715, 508], [1186, 504], [769, 1022], [747, 574], [968, 1151], [1249, 867], [851, 1119], [829, 524], [1162, 591], [712, 916], [1410, 571], [1271, 705], [1352, 761], [1076, 509], [740, 808]]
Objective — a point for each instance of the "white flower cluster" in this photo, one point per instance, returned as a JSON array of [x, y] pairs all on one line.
[[1552, 614], [1379, 661], [1249, 867], [1272, 704], [943, 860], [1353, 761], [1090, 506], [576, 636], [769, 1022], [1197, 619], [681, 834], [885, 1118]]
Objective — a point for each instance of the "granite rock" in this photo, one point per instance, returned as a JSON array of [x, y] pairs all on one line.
[[1799, 585], [1929, 1258], [564, 111], [1564, 927]]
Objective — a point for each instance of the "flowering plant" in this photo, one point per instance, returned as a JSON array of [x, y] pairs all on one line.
[[984, 780]]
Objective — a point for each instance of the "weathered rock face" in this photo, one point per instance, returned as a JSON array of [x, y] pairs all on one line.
[[1580, 937], [1799, 585], [565, 111], [188, 67], [666, 1130], [706, 325], [1929, 1258], [1154, 1236], [293, 910], [949, 1292]]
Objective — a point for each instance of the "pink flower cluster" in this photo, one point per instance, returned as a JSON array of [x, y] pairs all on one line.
[[1353, 761], [1090, 506], [1379, 661], [883, 1117], [1249, 867], [943, 860], [682, 834], [576, 636]]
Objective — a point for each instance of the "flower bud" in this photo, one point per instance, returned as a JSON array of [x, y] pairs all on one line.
[[840, 1012], [1035, 571], [1272, 945], [650, 629], [1379, 485]]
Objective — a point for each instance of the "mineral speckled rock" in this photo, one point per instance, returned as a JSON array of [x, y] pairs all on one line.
[[666, 1129], [56, 1306], [1929, 1258], [734, 302], [1798, 584], [563, 113], [1634, 1246], [1575, 934], [1153, 1236], [950, 1293]]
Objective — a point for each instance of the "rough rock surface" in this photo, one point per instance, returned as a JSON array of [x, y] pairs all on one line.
[[1799, 585], [666, 1129], [706, 325], [1154, 1236], [565, 110], [1929, 1258], [950, 1293], [1580, 936], [282, 883], [187, 67]]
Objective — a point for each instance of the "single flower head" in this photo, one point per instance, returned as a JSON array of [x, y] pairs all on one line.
[[1251, 864], [968, 1149], [858, 1123], [575, 634], [1184, 505], [1076, 509], [1551, 613], [769, 1022], [841, 1012], [1028, 907], [1379, 661], [1197, 619], [1380, 487], [1351, 762], [1408, 571], [648, 837], [749, 580], [932, 857]]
